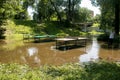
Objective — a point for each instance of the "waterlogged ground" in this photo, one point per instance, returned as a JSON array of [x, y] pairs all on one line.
[[44, 53]]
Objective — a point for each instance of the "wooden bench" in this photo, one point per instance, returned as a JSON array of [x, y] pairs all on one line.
[[71, 41], [37, 38]]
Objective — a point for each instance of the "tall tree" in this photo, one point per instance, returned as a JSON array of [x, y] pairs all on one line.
[[111, 8], [71, 7], [117, 16], [8, 10], [62, 9], [43, 10], [56, 9]]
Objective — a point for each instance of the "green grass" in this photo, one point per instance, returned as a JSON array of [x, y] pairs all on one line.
[[15, 28], [93, 71]]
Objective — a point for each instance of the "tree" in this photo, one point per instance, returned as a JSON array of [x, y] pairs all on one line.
[[43, 10], [71, 7], [62, 9], [9, 9], [110, 11], [117, 16], [85, 15], [56, 9]]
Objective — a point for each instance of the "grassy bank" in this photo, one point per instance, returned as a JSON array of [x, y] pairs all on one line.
[[92, 71], [16, 28]]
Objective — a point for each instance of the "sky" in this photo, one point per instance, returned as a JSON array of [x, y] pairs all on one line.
[[84, 3], [30, 12], [87, 4]]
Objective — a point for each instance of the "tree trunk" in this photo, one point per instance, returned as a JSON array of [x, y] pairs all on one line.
[[69, 10], [73, 4], [58, 14], [117, 17]]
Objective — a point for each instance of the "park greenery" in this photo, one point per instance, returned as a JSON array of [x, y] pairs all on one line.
[[88, 71], [109, 14], [60, 18], [65, 12]]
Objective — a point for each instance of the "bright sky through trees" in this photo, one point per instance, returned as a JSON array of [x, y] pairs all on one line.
[[84, 3], [30, 12], [87, 4]]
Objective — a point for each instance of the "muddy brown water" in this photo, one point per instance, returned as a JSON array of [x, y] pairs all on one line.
[[44, 53]]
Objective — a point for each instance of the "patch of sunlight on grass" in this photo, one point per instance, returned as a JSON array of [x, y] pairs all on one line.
[[11, 45], [54, 19], [93, 32], [96, 25], [14, 37]]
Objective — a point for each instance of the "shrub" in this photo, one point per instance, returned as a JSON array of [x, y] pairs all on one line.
[[103, 37], [93, 71]]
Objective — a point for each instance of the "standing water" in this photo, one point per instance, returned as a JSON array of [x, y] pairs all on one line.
[[44, 53], [92, 52]]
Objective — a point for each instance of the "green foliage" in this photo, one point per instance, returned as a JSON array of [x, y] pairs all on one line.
[[96, 25], [48, 10], [109, 13], [103, 71], [65, 72], [93, 71], [2, 31], [62, 34], [85, 15], [8, 10], [103, 37], [16, 28]]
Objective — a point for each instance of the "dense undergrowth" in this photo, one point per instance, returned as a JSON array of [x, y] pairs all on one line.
[[93, 71]]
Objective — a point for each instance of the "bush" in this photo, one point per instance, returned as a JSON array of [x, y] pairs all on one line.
[[2, 31], [93, 71], [103, 37]]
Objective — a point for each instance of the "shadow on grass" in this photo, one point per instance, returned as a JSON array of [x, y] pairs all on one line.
[[29, 23], [50, 28]]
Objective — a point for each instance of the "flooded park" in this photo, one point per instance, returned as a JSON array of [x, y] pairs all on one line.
[[45, 53]]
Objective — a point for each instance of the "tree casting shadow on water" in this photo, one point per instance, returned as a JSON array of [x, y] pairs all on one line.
[[115, 46]]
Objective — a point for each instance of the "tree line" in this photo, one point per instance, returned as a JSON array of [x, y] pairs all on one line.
[[61, 10], [68, 10], [110, 13]]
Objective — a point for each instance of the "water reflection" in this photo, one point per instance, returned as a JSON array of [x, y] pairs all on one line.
[[92, 53], [36, 60], [32, 51], [23, 59], [33, 54], [37, 54]]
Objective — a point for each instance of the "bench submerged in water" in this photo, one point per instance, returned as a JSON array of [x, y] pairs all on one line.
[[67, 42], [37, 38], [48, 37]]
